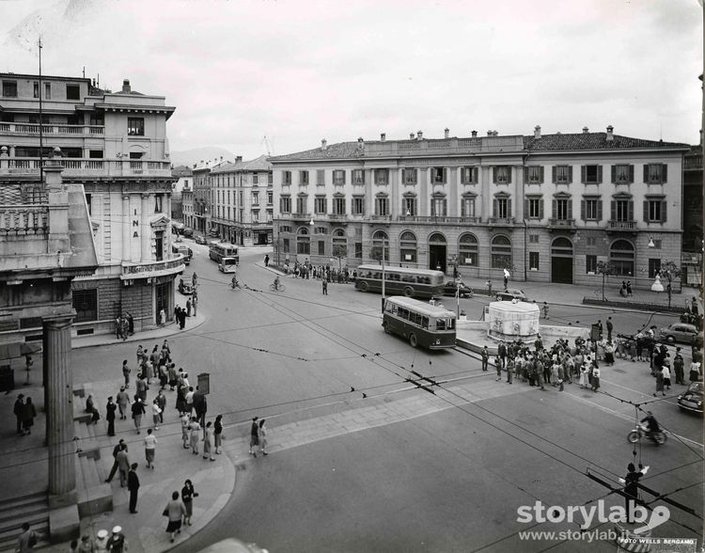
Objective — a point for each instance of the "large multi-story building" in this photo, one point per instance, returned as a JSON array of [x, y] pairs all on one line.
[[546, 207], [114, 144], [242, 199], [183, 177]]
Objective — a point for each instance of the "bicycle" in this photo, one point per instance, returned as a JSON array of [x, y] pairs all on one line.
[[277, 288], [234, 285]]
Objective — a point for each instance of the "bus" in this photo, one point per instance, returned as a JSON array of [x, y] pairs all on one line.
[[429, 325], [418, 283], [220, 250], [228, 265]]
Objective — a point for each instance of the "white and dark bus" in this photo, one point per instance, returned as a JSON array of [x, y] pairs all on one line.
[[422, 324], [220, 250], [417, 283]]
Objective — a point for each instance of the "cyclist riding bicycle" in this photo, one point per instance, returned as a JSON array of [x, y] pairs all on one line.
[[234, 283], [276, 282]]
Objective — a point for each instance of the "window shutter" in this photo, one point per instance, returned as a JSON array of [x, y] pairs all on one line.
[[664, 173], [582, 210], [630, 210], [664, 211], [570, 174], [570, 208], [554, 208], [599, 174], [599, 209], [445, 175], [494, 208], [583, 173], [646, 173], [613, 210], [541, 174], [553, 174], [509, 207], [541, 208], [526, 175], [527, 214], [614, 173], [494, 175], [646, 211], [631, 174], [509, 174], [475, 177]]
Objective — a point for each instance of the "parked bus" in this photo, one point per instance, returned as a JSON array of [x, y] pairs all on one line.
[[419, 283], [228, 265], [220, 250], [424, 324]]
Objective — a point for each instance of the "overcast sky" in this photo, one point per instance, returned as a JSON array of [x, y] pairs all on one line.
[[300, 71]]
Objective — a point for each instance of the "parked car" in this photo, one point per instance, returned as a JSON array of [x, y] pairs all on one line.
[[185, 288], [188, 232], [201, 240], [678, 332], [452, 286], [511, 294], [692, 398], [183, 250]]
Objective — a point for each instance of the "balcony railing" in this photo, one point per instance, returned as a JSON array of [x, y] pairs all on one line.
[[51, 129], [76, 167], [24, 219], [621, 225], [499, 221], [433, 219], [153, 268], [561, 223]]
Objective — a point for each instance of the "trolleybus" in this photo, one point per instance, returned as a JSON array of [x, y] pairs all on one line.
[[418, 283], [220, 250], [424, 324]]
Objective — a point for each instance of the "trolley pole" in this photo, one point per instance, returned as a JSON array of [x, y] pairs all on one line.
[[383, 275]]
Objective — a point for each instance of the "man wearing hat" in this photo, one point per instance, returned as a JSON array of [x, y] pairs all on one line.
[[117, 542], [17, 410], [101, 541], [133, 484]]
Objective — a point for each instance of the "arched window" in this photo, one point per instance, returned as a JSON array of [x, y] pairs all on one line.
[[562, 247], [340, 243], [407, 247], [303, 241], [622, 257], [380, 244], [501, 252], [468, 250], [437, 238]]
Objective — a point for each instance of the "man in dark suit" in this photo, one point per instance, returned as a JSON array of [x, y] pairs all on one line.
[[114, 469], [133, 484]]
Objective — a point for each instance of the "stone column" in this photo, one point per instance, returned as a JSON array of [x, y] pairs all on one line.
[[145, 229], [59, 409], [126, 228]]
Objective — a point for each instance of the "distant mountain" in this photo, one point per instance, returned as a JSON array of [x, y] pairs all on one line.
[[196, 155]]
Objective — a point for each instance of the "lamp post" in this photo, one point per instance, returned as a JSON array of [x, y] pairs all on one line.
[[384, 246]]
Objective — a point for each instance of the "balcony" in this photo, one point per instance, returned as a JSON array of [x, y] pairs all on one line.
[[81, 167], [501, 221], [380, 219], [24, 219], [621, 226], [555, 224], [32, 129], [300, 216], [152, 269], [434, 220]]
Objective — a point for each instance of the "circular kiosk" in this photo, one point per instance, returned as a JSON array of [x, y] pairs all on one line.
[[513, 320]]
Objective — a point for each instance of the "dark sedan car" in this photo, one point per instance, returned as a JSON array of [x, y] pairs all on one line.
[[451, 287]]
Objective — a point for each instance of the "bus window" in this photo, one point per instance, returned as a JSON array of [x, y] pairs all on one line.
[[424, 322], [440, 324], [403, 313]]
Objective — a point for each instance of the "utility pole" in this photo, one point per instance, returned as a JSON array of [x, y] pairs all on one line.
[[41, 117]]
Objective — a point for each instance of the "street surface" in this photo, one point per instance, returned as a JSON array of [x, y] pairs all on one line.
[[451, 480]]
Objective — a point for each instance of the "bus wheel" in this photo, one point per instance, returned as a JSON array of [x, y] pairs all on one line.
[[364, 286], [408, 291], [385, 326], [413, 342]]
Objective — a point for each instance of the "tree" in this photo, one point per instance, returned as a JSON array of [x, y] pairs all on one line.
[[604, 268], [669, 270], [340, 252]]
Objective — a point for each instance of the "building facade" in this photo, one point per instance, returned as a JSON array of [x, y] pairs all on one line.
[[187, 206], [693, 217], [183, 178], [114, 145], [547, 208], [242, 197]]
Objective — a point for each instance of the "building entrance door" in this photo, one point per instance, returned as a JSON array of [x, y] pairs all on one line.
[[162, 294], [562, 261], [437, 252]]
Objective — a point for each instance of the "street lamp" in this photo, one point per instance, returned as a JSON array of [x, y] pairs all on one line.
[[651, 243], [657, 286]]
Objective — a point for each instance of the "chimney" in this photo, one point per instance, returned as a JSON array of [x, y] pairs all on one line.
[[383, 137], [126, 85], [221, 158], [324, 144], [238, 159], [585, 130], [473, 134], [446, 132], [610, 136], [419, 135], [537, 131], [489, 133], [411, 136]]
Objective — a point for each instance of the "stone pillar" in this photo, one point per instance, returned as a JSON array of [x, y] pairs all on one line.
[[126, 228], [59, 409], [145, 229]]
